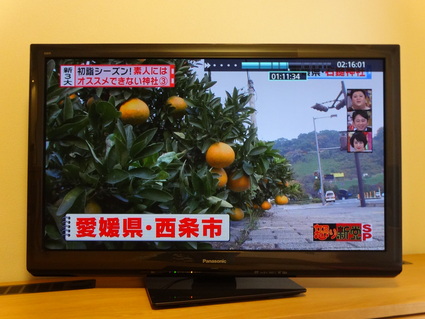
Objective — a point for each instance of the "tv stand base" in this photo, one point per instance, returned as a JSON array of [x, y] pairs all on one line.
[[169, 291]]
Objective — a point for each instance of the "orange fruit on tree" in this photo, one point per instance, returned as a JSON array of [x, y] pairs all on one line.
[[240, 184], [281, 184], [220, 155], [281, 200], [222, 178], [134, 111], [237, 214], [92, 207], [178, 103], [90, 101], [266, 205], [72, 97]]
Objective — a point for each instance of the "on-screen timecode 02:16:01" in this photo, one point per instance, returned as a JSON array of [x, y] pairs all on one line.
[[287, 76]]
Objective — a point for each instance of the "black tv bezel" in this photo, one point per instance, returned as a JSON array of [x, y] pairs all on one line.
[[242, 263]]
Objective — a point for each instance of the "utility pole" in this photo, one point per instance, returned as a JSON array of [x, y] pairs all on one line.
[[251, 92], [322, 195]]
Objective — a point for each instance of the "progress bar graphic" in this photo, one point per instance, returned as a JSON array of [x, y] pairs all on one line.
[[238, 65], [265, 66]]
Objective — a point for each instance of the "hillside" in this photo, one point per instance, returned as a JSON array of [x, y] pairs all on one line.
[[301, 153]]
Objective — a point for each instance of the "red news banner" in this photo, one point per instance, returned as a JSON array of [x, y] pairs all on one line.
[[147, 227], [342, 232], [153, 75]]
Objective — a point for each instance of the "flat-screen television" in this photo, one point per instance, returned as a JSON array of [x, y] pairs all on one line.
[[214, 169]]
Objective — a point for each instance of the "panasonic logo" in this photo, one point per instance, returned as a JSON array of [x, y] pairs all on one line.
[[214, 261]]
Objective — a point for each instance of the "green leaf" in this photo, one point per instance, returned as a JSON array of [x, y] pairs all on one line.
[[202, 211], [214, 200], [52, 232], [52, 98], [71, 127], [96, 159], [68, 110], [50, 67], [156, 195], [196, 123], [162, 176], [88, 179], [142, 141], [210, 84], [116, 176], [150, 150], [71, 170], [180, 135], [237, 174], [121, 153], [197, 183], [99, 91], [112, 99], [143, 172], [69, 200], [257, 150], [120, 131], [248, 168], [205, 145], [265, 163], [209, 183], [184, 182], [167, 158], [129, 135], [107, 112], [127, 95], [146, 136]]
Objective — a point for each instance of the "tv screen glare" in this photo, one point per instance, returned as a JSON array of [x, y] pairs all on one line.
[[214, 161]]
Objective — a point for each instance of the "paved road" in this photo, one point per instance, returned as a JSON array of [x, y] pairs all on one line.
[[290, 227]]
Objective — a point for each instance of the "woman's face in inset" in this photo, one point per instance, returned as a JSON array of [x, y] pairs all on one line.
[[360, 123], [358, 146], [358, 100]]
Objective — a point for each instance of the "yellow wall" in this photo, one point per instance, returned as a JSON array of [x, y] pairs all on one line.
[[227, 21]]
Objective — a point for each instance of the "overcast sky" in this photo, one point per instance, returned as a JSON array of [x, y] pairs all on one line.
[[284, 107]]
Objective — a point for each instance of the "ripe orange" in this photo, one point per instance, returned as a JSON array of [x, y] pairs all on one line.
[[240, 184], [222, 178], [281, 200], [178, 103], [72, 97], [220, 155], [90, 101], [281, 184], [134, 111], [237, 214], [92, 207], [266, 205]]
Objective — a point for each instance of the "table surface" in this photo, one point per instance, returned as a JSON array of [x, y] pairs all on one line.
[[330, 297]]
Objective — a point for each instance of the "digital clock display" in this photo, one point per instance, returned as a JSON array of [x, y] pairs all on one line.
[[287, 76], [351, 64]]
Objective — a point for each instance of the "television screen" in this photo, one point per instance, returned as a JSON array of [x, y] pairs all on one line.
[[214, 160]]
